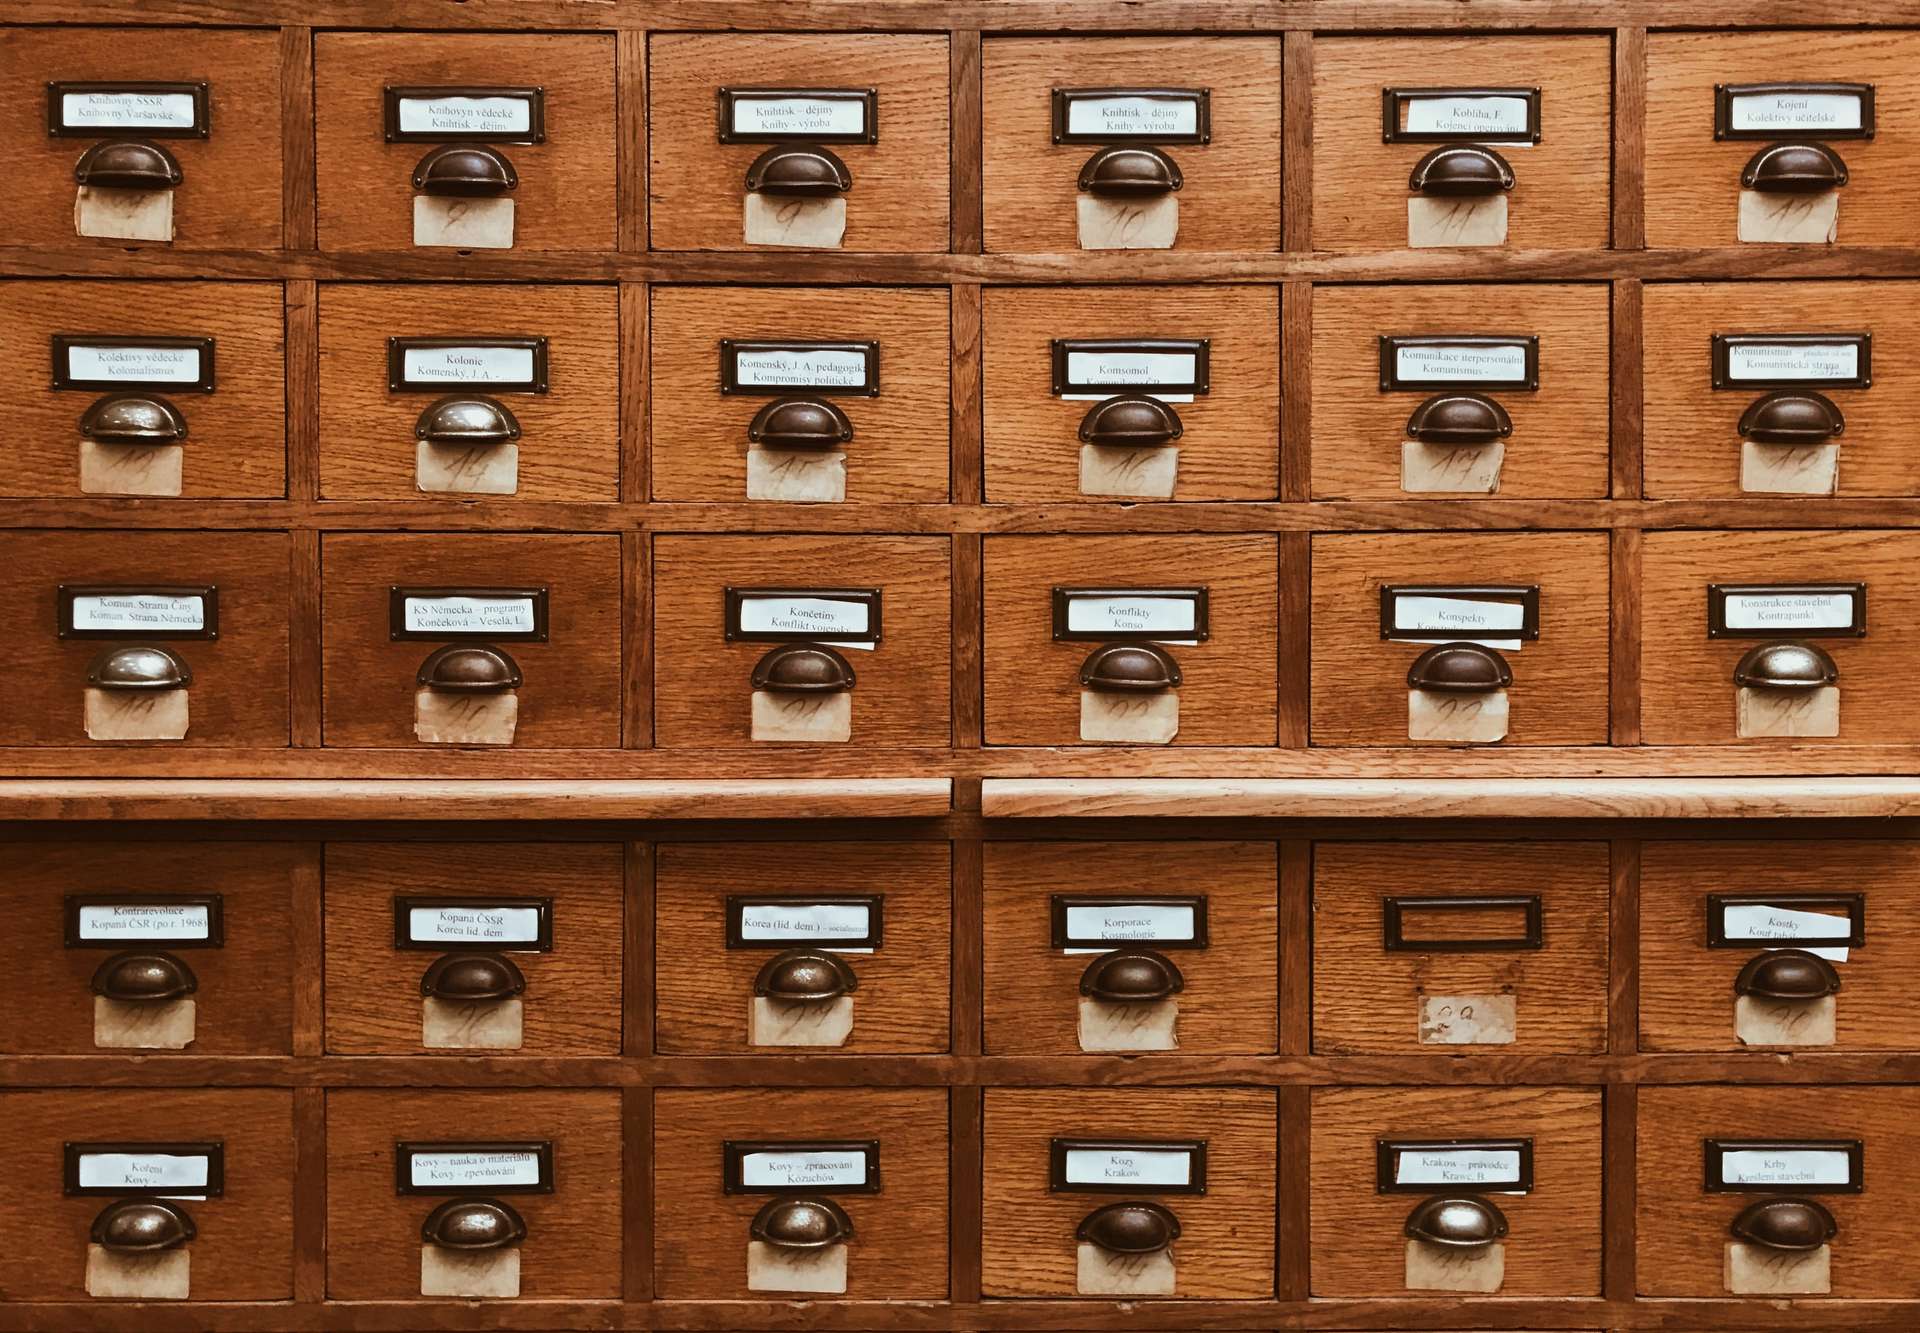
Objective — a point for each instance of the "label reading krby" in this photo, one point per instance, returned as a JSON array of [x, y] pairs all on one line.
[[1786, 1168]]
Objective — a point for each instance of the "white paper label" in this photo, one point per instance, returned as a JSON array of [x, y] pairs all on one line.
[[821, 617], [1795, 112], [456, 1169], [1748, 922], [502, 117], [1136, 615], [133, 365], [819, 368], [1125, 117], [1131, 370], [1793, 361], [139, 612], [129, 110], [459, 614], [1488, 116], [1789, 611], [1785, 1167], [146, 921], [1130, 921], [1128, 1166], [804, 921], [1456, 615], [478, 364], [142, 1171], [473, 925], [1457, 1166], [1454, 363], [819, 1170], [801, 115]]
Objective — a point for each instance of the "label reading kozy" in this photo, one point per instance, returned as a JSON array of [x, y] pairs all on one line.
[[474, 925], [1123, 1166], [145, 921], [1464, 1166], [458, 1168], [139, 612], [803, 1168]]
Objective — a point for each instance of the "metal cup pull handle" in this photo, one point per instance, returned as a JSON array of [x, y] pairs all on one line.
[[144, 977], [468, 978], [800, 423], [1788, 974], [1794, 168], [142, 1226], [1131, 976], [473, 1224], [1131, 420], [1134, 1227], [472, 668], [805, 976], [127, 164], [1130, 668], [139, 666], [1457, 1221], [1785, 1223], [1791, 416], [1459, 668], [1461, 171], [799, 171], [465, 171], [1785, 666], [801, 1224], [467, 420], [1127, 171], [133, 418], [803, 668], [1459, 419]]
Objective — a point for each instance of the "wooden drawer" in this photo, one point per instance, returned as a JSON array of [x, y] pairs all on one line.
[[229, 191], [701, 429], [701, 1231], [1693, 180], [1360, 1245], [1360, 677], [376, 433], [703, 684], [1033, 681], [727, 913], [243, 1246], [395, 916], [1695, 411], [1225, 1245], [570, 690], [237, 694], [1040, 952], [78, 906], [1427, 946], [894, 151], [1688, 695], [1684, 1230], [235, 440], [1229, 197], [1560, 194], [1709, 910], [566, 190], [1363, 426], [573, 1230], [1228, 446]]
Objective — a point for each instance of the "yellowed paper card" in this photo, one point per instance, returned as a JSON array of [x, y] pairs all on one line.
[[1457, 469], [1147, 1026], [471, 1273], [1761, 1021], [1443, 1268], [1436, 715], [131, 469], [441, 469], [1789, 219], [123, 215], [1443, 222], [1128, 224], [162, 1276], [780, 1023], [135, 715], [1115, 718], [1103, 1273], [773, 1268], [814, 224], [1467, 1020], [1779, 469], [465, 224], [1143, 474], [1787, 712], [451, 717], [779, 715], [476, 1025], [127, 1025], [1756, 1270], [800, 476]]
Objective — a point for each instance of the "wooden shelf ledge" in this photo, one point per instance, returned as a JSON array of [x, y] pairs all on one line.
[[1451, 798]]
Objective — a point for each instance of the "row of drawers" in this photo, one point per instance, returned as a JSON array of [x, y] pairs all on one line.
[[1416, 947], [1052, 1158], [1745, 636], [866, 118]]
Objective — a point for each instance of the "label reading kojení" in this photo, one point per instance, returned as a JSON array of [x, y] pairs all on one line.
[[801, 368], [455, 1168], [1132, 370], [500, 117], [1126, 115], [1171, 922], [139, 612], [1764, 361], [803, 1168], [128, 109], [473, 925], [1457, 1166], [1785, 111], [1128, 1166], [142, 1171], [1454, 363], [1133, 615], [117, 364], [798, 114], [462, 614], [762, 922], [1789, 610], [1451, 113], [1785, 1167], [824, 618], [145, 921], [479, 363]]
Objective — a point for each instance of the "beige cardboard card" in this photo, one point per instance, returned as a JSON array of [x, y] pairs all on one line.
[[472, 1273], [1117, 718], [1756, 1270], [1444, 1268], [801, 476], [1435, 715], [774, 1268], [465, 224], [1144, 474], [1760, 1021], [441, 469], [1783, 469], [780, 715], [131, 469], [125, 1025], [1467, 1020], [1149, 1026], [1787, 712], [814, 224], [778, 1023], [479, 1025], [1789, 219], [1128, 224], [135, 715], [1459, 469], [1103, 1273], [1443, 222], [162, 1276], [452, 717], [123, 215]]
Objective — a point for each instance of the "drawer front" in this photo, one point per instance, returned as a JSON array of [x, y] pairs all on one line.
[[1710, 910], [1684, 1231], [229, 191], [704, 685], [1688, 694], [565, 194], [62, 444], [1228, 442], [1360, 1243], [1422, 947], [701, 431], [897, 199], [395, 916], [378, 442], [897, 1248], [1229, 197], [570, 681], [242, 1249], [1693, 180], [727, 916], [1560, 193], [1224, 1249], [1558, 694], [1033, 680], [1695, 430], [573, 1233], [235, 685], [1376, 443], [1040, 960]]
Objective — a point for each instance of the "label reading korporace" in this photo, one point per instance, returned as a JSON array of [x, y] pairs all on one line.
[[139, 612], [127, 109], [798, 114], [1123, 1166], [453, 113], [824, 922], [800, 367], [1789, 611], [459, 613], [145, 1171], [473, 925], [479, 363], [89, 363], [144, 921], [1489, 117], [1117, 922], [1455, 363], [1786, 1167], [825, 619], [459, 1169], [1800, 361], [1771, 111], [1132, 115], [804, 1169], [1457, 1166]]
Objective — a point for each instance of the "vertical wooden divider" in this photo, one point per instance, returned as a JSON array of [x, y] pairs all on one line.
[[1296, 141], [1623, 966], [309, 1195], [1293, 1197], [1629, 138], [636, 1194], [297, 139], [304, 640], [1623, 668], [1293, 1156], [967, 133], [630, 75]]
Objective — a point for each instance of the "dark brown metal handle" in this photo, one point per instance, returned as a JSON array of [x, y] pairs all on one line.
[[1794, 168], [803, 668], [1785, 666], [1791, 416], [468, 171], [144, 977], [1461, 171], [1129, 171], [1134, 1227], [474, 421], [799, 171], [133, 418], [1785, 1223], [1131, 420], [139, 666], [1130, 668], [1457, 1221], [473, 1224], [805, 976], [142, 1226], [1459, 668], [800, 423], [472, 668], [1131, 976], [801, 1224], [1459, 419], [127, 164], [1788, 974], [468, 978]]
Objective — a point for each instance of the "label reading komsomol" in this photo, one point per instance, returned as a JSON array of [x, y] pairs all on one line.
[[455, 1169], [1121, 1166], [826, 922], [1133, 370], [1486, 117], [1759, 361], [1169, 922], [798, 115], [139, 612], [142, 1171], [801, 368], [129, 109], [1132, 615], [1453, 363], [145, 921], [117, 364], [803, 1168], [1789, 611], [1457, 1166], [1786, 111], [476, 364], [473, 925], [1786, 1168], [497, 117], [1130, 115]]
